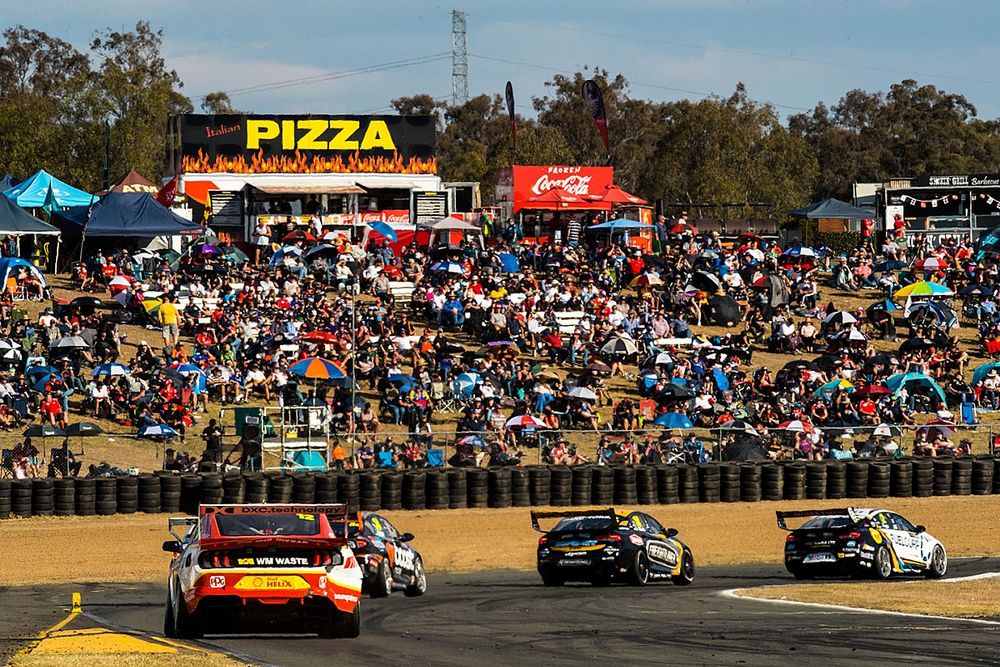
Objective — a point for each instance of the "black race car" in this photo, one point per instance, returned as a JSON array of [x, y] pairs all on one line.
[[602, 546], [387, 560]]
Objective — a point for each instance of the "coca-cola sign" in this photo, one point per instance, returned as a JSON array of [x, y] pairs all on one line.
[[531, 181]]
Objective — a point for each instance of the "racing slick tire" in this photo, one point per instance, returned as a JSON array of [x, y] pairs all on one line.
[[638, 573], [552, 581], [419, 585], [381, 585], [882, 567], [939, 564], [687, 570], [182, 623], [343, 626]]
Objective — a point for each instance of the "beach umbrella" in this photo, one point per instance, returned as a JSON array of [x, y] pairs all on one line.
[[157, 431], [598, 367], [321, 249], [851, 334], [83, 429], [706, 281], [754, 253], [800, 251], [472, 441], [885, 306], [923, 288], [930, 265], [111, 370], [324, 337], [298, 235], [740, 426], [524, 421], [448, 267], [509, 263], [976, 290], [938, 313], [646, 280], [224, 371], [800, 365], [85, 302], [674, 392], [151, 305], [69, 343], [840, 318], [829, 388], [317, 368], [913, 344], [207, 249], [885, 267], [798, 426], [708, 254], [383, 229], [620, 347], [401, 380], [582, 393], [44, 431], [673, 420], [279, 256], [120, 282], [872, 390], [467, 382]]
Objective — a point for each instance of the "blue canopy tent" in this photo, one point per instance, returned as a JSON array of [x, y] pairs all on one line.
[[983, 371], [617, 225], [42, 189], [127, 216], [897, 382]]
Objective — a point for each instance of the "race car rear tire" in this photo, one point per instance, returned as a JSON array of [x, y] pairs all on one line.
[[185, 625], [882, 568], [419, 585], [939, 564], [342, 625], [686, 575], [552, 581], [638, 574], [169, 630], [382, 581]]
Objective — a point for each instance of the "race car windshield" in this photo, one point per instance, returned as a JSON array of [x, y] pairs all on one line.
[[252, 525], [828, 522], [581, 523]]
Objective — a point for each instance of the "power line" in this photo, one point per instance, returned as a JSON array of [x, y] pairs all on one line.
[[743, 52], [631, 83]]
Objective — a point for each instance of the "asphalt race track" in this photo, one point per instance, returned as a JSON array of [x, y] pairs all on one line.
[[509, 618]]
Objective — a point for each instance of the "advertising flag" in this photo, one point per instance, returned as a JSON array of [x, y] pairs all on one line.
[[167, 193], [509, 94], [595, 102]]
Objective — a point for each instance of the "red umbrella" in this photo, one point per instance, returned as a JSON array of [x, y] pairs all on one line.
[[298, 235], [872, 390], [683, 228], [556, 196], [392, 271], [615, 195], [318, 337]]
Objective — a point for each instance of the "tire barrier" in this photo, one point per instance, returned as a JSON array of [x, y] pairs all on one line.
[[625, 492], [64, 496], [878, 480], [42, 497], [559, 486], [583, 483], [901, 479], [4, 499], [667, 484], [603, 489], [836, 480], [729, 482], [772, 482], [645, 485], [942, 476], [150, 494], [128, 495], [687, 477], [857, 479], [437, 490], [815, 481], [414, 490], [982, 477]]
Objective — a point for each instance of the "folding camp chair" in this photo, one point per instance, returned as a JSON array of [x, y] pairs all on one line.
[[385, 460], [435, 458], [444, 401], [7, 463]]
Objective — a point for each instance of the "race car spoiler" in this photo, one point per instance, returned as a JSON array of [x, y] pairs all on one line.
[[186, 521], [335, 511], [562, 514], [837, 511]]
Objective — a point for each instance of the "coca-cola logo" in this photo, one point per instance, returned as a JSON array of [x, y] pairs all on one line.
[[576, 185]]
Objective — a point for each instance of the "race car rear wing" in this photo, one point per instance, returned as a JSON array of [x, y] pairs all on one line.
[[837, 511], [562, 514], [186, 521], [335, 511]]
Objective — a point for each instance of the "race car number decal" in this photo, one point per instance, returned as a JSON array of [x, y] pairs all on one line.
[[661, 553], [216, 581]]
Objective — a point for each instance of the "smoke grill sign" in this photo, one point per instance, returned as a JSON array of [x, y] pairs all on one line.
[[430, 206], [257, 144]]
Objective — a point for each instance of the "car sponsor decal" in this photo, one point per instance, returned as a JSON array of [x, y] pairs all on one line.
[[404, 558], [662, 553], [271, 583], [273, 560], [217, 581], [636, 540]]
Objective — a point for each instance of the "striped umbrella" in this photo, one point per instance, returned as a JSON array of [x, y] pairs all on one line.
[[317, 368], [798, 426], [930, 265], [923, 288], [524, 421], [111, 370]]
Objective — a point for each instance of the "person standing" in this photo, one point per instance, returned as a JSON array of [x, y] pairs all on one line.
[[168, 320]]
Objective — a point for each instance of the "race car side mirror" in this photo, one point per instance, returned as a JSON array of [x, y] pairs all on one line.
[[672, 532], [172, 546], [921, 529], [406, 537]]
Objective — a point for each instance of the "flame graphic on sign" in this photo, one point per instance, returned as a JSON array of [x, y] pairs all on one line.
[[303, 164]]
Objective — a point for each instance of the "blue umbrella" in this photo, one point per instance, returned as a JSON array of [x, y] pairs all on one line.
[[385, 230], [673, 420], [509, 263], [467, 383], [800, 251], [397, 378], [157, 431], [111, 370], [884, 267], [278, 257], [721, 381], [448, 267]]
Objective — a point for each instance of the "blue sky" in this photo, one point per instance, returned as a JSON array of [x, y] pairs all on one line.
[[788, 52]]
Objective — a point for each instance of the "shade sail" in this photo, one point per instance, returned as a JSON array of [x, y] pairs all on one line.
[[831, 208], [15, 221], [35, 192], [126, 215]]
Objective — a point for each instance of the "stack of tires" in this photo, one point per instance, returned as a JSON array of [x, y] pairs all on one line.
[[414, 490], [107, 495], [477, 486], [150, 494], [326, 488], [371, 492], [303, 489], [20, 497], [857, 479], [603, 489], [982, 476], [128, 495], [458, 494], [349, 491], [625, 491], [729, 482], [879, 479], [901, 478], [501, 491], [836, 480], [64, 496], [710, 483], [86, 496], [943, 469], [923, 478], [255, 488], [561, 491], [520, 488], [4, 499], [816, 481], [392, 491], [42, 497], [190, 493], [583, 484], [687, 477], [750, 482], [772, 482], [667, 485], [438, 497], [795, 481], [645, 485]]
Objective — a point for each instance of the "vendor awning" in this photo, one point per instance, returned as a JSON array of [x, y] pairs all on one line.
[[300, 189]]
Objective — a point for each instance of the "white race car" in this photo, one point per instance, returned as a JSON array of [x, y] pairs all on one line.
[[860, 542], [276, 565]]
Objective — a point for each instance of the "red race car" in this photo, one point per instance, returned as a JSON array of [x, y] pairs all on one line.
[[274, 566]]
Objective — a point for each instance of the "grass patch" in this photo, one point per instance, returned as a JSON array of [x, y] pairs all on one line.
[[978, 598]]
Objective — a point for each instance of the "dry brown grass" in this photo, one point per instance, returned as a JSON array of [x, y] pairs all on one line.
[[968, 599], [126, 548]]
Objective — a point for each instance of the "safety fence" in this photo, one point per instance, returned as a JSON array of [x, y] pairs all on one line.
[[530, 486]]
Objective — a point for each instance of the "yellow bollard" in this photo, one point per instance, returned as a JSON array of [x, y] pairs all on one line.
[[75, 607]]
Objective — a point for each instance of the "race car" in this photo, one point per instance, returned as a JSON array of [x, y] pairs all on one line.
[[267, 565], [389, 563], [602, 546], [860, 542]]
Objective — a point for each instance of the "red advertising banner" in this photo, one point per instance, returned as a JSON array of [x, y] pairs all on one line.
[[526, 182]]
